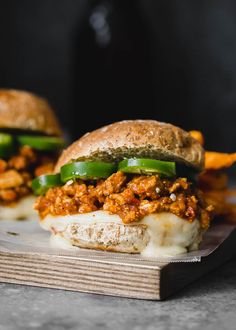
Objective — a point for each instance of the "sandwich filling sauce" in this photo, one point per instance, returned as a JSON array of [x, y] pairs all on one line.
[[17, 172], [131, 197]]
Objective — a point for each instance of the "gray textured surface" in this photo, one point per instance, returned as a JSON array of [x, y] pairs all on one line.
[[207, 304]]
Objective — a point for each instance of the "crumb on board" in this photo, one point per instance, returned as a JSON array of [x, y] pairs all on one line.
[[12, 233]]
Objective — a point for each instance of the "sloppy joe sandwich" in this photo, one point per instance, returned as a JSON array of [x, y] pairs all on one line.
[[127, 187], [30, 139]]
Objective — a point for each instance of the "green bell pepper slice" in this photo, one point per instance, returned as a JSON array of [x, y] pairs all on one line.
[[6, 145], [44, 143], [42, 183], [86, 170], [147, 166]]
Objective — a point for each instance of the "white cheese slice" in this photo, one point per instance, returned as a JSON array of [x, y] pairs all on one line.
[[169, 235], [22, 209]]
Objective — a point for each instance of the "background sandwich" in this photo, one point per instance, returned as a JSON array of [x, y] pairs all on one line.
[[127, 187], [30, 138]]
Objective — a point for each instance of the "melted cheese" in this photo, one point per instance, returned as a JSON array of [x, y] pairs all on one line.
[[169, 234], [57, 241], [61, 222], [21, 210]]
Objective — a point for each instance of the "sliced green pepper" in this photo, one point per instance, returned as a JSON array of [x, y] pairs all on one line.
[[42, 183], [47, 143], [86, 170], [147, 166], [6, 145]]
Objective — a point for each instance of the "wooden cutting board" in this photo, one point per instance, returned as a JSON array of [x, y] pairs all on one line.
[[23, 262]]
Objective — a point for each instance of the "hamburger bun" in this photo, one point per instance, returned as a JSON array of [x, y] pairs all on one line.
[[26, 111], [136, 138]]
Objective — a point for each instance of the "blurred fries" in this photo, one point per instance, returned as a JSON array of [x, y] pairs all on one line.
[[197, 135], [217, 160], [214, 183], [214, 160]]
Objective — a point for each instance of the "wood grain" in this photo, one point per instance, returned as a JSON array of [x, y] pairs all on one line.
[[79, 275], [154, 280]]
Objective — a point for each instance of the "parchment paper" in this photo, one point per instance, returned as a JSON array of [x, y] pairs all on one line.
[[28, 237]]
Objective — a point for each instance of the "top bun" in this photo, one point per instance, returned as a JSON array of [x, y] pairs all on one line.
[[26, 111], [136, 138]]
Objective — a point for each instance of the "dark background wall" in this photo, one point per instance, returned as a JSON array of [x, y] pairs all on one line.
[[101, 61]]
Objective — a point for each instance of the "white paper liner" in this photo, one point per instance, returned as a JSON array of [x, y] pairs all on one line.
[[28, 237]]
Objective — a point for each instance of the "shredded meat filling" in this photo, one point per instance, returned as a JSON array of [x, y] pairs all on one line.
[[16, 174], [130, 197]]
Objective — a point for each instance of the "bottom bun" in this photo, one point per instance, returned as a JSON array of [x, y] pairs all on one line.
[[156, 235], [21, 210]]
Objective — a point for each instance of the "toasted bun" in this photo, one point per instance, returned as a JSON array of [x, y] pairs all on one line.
[[136, 138], [107, 237], [26, 111]]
